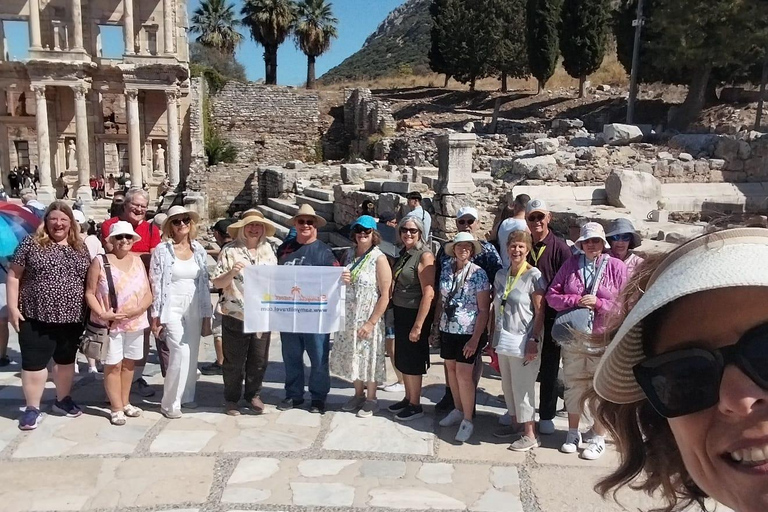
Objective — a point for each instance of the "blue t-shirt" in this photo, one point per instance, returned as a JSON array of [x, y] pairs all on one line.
[[316, 254]]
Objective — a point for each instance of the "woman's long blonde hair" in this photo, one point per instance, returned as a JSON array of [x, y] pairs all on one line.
[[42, 236]]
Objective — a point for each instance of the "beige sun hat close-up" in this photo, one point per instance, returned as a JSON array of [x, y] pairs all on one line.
[[306, 210], [724, 259], [177, 211], [249, 217], [462, 237]]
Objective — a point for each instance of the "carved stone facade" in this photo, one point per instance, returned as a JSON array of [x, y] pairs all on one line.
[[116, 112]]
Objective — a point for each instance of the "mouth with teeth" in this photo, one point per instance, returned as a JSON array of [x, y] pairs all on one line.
[[751, 458]]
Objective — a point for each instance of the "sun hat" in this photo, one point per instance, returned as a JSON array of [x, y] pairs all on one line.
[[306, 210], [176, 211], [621, 226], [724, 259], [158, 219], [249, 217], [122, 227], [592, 230], [536, 205], [365, 222], [79, 216], [467, 210], [462, 237]]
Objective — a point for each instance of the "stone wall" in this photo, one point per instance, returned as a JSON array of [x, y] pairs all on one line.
[[365, 116], [268, 124], [227, 188]]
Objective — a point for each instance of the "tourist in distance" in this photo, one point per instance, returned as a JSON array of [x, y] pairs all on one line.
[[358, 351], [548, 254], [46, 289], [417, 210], [518, 327], [123, 309], [181, 310], [306, 249], [413, 290], [461, 313], [683, 385], [30, 202], [591, 280], [245, 356], [623, 238], [514, 223]]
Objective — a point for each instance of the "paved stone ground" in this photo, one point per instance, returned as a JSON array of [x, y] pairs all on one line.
[[290, 461]]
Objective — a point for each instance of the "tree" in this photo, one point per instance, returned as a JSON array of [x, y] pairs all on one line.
[[270, 23], [315, 28], [542, 38], [436, 61], [215, 22], [511, 57], [210, 58], [583, 37]]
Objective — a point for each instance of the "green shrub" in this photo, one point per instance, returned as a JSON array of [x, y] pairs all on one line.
[[218, 149]]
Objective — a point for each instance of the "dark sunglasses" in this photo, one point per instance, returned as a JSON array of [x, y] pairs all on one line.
[[594, 240], [536, 217], [687, 381], [412, 231], [183, 220], [468, 222], [123, 237], [358, 230], [305, 222], [622, 237]]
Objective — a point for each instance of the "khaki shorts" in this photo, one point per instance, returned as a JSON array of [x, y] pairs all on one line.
[[216, 324], [578, 371]]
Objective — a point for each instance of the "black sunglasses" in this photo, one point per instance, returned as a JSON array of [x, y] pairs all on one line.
[[358, 230], [412, 231], [123, 237], [687, 381], [538, 217], [305, 222], [623, 237], [183, 220], [467, 222]]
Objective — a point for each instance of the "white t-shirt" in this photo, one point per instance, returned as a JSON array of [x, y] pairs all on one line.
[[506, 227], [514, 327]]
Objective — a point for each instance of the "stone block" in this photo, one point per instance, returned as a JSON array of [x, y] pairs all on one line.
[[403, 187], [695, 143], [637, 191], [567, 124], [617, 134], [448, 205], [376, 185], [294, 164], [546, 146], [745, 151], [429, 181], [666, 155], [685, 157], [353, 173], [537, 167], [389, 202]]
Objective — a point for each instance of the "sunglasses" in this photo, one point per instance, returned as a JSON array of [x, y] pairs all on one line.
[[410, 231], [358, 230], [305, 222], [467, 222], [622, 237], [686, 381], [183, 220], [123, 237], [595, 240], [538, 217]]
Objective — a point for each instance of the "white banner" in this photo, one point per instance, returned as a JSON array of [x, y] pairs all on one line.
[[294, 298]]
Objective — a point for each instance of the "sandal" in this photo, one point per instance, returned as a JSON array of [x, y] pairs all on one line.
[[132, 411], [117, 418]]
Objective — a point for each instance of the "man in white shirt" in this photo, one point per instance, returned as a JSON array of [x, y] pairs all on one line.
[[414, 203]]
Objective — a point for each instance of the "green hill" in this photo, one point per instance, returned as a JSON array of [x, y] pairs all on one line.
[[398, 46]]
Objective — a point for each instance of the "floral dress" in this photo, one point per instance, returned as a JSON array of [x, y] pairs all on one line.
[[461, 288], [353, 358]]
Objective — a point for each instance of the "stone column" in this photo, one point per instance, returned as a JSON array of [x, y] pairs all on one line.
[[168, 31], [77, 23], [172, 112], [83, 143], [454, 153], [34, 25], [128, 27], [134, 136], [45, 192]]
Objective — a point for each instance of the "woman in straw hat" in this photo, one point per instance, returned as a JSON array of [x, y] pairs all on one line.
[[623, 238], [245, 354], [182, 304], [683, 385], [588, 281]]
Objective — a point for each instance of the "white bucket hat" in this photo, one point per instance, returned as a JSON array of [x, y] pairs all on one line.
[[592, 230], [462, 237], [122, 227], [724, 259]]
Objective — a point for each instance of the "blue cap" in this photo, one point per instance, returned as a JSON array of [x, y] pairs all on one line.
[[365, 221]]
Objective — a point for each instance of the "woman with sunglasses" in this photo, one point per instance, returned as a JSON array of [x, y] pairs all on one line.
[[182, 308], [683, 385], [623, 238], [590, 280], [125, 313], [358, 353], [413, 289]]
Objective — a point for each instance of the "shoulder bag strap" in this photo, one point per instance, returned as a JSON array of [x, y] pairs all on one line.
[[110, 282], [599, 276]]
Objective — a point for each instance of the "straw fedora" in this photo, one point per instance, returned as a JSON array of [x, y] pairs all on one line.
[[306, 210], [463, 237], [724, 259], [249, 217], [176, 211]]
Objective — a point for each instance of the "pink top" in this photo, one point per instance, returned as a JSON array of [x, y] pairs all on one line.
[[131, 287]]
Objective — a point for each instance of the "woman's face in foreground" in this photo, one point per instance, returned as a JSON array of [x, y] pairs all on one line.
[[738, 424]]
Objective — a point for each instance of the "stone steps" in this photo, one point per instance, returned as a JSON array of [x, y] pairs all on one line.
[[291, 208], [322, 207], [318, 193], [276, 216]]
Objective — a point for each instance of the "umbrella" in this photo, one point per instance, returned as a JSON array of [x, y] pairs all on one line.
[[15, 224]]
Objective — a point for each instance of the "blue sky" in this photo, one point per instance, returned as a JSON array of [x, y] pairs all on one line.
[[357, 19]]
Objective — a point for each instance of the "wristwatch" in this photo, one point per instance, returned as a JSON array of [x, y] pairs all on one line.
[[535, 339]]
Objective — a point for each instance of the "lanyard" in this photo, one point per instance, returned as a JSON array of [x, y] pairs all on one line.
[[588, 272], [401, 265], [536, 256], [510, 286], [357, 266], [458, 283]]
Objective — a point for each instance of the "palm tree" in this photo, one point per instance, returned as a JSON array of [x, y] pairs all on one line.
[[315, 27], [216, 23], [270, 22]]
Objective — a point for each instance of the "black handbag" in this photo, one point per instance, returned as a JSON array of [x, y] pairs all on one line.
[[95, 340]]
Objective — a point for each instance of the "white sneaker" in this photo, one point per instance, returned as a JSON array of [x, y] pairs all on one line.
[[395, 387], [546, 427], [454, 418], [505, 419], [572, 442], [465, 431], [587, 436], [595, 450]]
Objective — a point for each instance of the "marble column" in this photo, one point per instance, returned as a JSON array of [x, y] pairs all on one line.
[[172, 113], [34, 25], [83, 143], [77, 23], [168, 31], [128, 27], [134, 136], [45, 192]]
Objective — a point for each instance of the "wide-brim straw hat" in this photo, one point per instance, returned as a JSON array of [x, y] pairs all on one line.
[[724, 259], [592, 230], [462, 237], [621, 226], [306, 210], [249, 217], [178, 211], [122, 227]]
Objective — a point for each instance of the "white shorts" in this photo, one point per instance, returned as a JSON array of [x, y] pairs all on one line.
[[125, 345]]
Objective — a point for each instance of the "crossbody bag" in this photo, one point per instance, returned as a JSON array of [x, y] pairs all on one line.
[[95, 340], [577, 321]]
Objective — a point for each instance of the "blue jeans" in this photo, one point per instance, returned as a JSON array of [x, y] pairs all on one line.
[[317, 347]]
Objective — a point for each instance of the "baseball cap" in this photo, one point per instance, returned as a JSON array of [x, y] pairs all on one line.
[[467, 210], [365, 221], [387, 216], [536, 205]]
